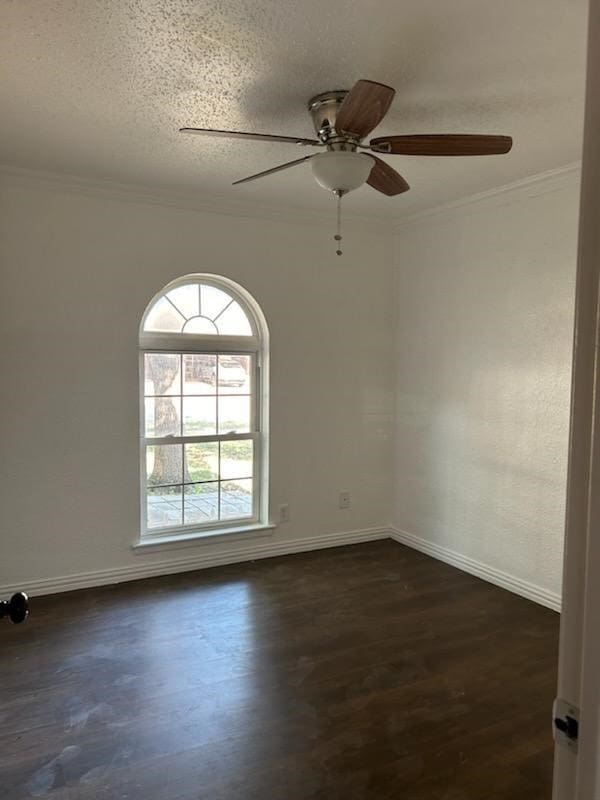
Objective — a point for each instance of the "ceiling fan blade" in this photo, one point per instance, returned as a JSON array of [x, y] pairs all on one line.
[[273, 169], [385, 179], [259, 137], [443, 144], [363, 108]]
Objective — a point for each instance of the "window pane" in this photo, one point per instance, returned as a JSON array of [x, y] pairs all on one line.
[[164, 507], [212, 301], [161, 373], [236, 499], [234, 374], [236, 459], [199, 373], [234, 414], [186, 298], [163, 317], [163, 416], [200, 325], [201, 503], [198, 394], [233, 321], [163, 464], [199, 416], [202, 461]]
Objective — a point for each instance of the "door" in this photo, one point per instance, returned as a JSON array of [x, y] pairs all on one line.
[[577, 775]]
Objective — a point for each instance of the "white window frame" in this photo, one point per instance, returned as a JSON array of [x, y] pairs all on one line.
[[178, 343]]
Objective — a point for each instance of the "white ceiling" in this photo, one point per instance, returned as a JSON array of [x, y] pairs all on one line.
[[98, 89]]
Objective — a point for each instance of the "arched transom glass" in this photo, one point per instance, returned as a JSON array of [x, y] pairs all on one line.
[[197, 308]]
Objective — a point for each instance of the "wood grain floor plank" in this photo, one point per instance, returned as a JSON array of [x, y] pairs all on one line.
[[360, 673]]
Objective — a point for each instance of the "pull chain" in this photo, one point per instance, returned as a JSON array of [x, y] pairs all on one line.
[[338, 235]]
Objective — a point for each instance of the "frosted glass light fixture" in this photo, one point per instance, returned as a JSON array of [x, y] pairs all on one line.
[[341, 170]]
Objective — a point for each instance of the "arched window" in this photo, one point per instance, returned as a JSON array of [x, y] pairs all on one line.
[[203, 367]]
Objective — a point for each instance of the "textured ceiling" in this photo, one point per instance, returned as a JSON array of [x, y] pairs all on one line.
[[99, 89]]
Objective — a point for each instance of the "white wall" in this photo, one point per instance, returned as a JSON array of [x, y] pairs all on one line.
[[485, 296], [78, 268], [480, 360]]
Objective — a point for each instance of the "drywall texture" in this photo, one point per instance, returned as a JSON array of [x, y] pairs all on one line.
[[485, 298], [78, 269], [100, 89]]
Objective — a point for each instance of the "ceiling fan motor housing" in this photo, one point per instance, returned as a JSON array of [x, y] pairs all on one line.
[[323, 109]]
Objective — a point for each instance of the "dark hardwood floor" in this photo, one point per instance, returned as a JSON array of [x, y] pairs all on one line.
[[369, 671]]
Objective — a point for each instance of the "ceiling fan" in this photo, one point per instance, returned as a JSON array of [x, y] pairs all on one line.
[[342, 120]]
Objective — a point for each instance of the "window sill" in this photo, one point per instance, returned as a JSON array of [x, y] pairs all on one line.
[[172, 541]]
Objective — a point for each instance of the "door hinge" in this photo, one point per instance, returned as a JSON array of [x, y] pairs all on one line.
[[565, 717]]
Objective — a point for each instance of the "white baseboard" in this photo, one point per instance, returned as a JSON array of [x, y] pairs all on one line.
[[260, 549], [480, 570], [193, 561]]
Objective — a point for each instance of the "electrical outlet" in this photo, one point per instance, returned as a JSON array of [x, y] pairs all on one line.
[[344, 499], [284, 512]]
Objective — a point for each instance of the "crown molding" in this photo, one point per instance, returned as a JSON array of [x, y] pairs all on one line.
[[532, 186], [188, 201]]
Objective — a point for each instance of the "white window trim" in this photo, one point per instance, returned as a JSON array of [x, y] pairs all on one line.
[[177, 541], [255, 346]]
